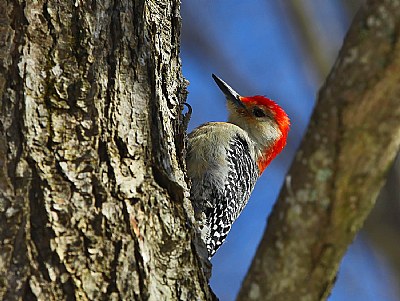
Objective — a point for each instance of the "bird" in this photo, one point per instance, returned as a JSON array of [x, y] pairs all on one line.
[[225, 160]]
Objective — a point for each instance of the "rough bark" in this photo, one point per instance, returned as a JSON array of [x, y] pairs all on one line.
[[93, 200], [382, 226], [352, 140]]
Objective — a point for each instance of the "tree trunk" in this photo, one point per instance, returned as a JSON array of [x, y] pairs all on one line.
[[93, 199], [352, 140]]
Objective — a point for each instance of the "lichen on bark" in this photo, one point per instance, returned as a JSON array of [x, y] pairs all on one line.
[[352, 140]]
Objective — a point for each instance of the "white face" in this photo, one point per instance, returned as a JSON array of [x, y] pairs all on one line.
[[254, 117], [258, 121]]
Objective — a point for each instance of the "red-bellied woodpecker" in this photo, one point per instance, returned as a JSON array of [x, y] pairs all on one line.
[[225, 160]]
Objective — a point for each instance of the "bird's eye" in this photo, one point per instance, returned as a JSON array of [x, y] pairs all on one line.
[[258, 112]]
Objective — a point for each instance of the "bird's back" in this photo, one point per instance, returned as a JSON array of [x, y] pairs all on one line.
[[223, 171]]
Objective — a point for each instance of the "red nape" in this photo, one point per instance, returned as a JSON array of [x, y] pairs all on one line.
[[271, 153], [281, 119]]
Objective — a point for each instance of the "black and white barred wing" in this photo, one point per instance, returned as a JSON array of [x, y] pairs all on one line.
[[229, 202]]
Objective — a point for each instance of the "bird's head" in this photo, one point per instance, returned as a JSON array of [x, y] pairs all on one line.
[[266, 123]]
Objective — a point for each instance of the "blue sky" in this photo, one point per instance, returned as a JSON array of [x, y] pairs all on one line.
[[253, 47]]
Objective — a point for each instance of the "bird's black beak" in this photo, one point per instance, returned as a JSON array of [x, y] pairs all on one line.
[[230, 94]]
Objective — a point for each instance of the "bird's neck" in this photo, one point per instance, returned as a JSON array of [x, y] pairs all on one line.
[[267, 144], [268, 153], [268, 140]]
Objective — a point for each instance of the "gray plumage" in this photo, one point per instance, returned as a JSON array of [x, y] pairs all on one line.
[[222, 180]]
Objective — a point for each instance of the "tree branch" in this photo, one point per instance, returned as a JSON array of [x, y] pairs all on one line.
[[352, 140]]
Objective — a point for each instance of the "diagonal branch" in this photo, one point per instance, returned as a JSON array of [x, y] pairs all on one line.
[[352, 140]]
